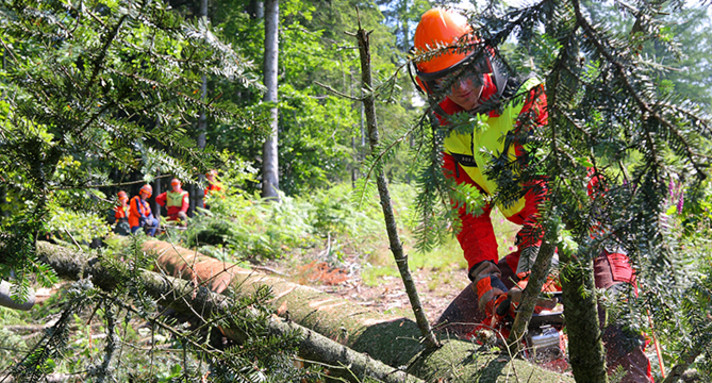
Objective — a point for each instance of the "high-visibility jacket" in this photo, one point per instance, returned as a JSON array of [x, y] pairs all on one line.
[[120, 212], [213, 186], [175, 202], [473, 150], [138, 208], [468, 155]]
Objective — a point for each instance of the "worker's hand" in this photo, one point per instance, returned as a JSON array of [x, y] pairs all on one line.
[[515, 294], [488, 286], [141, 221], [542, 303]]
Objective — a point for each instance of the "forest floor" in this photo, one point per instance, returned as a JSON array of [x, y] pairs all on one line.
[[387, 295], [373, 281]]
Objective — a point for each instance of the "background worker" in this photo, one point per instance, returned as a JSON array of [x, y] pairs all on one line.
[[213, 184], [140, 215], [121, 214], [470, 81], [176, 201]]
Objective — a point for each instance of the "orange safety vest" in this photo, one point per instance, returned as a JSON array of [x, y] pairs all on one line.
[[213, 187], [137, 209], [120, 212]]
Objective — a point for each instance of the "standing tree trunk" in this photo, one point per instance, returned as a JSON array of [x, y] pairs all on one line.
[[3, 201], [396, 247], [270, 161], [586, 354], [156, 210], [257, 9], [197, 193]]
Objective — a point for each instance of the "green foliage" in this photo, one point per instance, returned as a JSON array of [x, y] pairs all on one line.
[[696, 205], [40, 361], [321, 136], [402, 17], [249, 228], [73, 226], [97, 334], [240, 227], [93, 89], [314, 156]]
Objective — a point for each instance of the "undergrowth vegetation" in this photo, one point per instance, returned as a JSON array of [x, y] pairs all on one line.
[[341, 226]]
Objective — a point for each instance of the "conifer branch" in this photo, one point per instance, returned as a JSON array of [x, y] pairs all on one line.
[[338, 93], [646, 110]]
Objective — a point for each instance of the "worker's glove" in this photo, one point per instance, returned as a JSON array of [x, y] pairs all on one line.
[[489, 288], [183, 217], [142, 221], [547, 300]]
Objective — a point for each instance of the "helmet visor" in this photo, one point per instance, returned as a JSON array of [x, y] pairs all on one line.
[[473, 67]]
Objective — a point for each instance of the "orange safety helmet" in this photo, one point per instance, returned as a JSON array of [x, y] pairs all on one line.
[[146, 189], [442, 27], [122, 195], [438, 27]]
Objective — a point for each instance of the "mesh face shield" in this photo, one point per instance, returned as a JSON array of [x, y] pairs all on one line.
[[437, 85], [471, 68]]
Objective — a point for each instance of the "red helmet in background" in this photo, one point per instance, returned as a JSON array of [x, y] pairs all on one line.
[[122, 195], [146, 189]]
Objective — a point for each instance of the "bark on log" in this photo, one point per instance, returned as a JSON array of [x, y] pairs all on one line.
[[182, 296], [392, 340]]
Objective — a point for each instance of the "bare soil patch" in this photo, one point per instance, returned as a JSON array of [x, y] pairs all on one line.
[[436, 288]]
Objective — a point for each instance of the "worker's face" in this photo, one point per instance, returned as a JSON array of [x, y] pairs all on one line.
[[144, 195], [465, 93], [124, 201], [175, 186]]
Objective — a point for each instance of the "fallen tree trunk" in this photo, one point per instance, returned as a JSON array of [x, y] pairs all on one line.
[[186, 298], [392, 340]]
